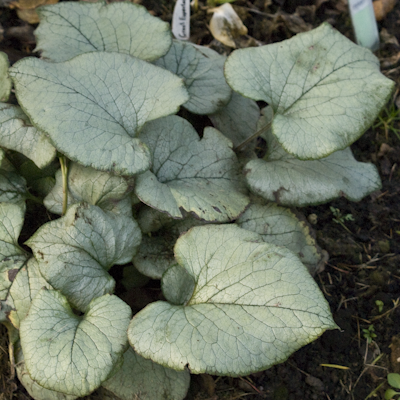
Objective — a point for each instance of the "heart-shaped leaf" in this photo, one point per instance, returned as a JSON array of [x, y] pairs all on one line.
[[69, 29], [12, 257], [76, 251], [199, 176], [5, 81], [253, 305], [147, 380], [87, 184], [324, 89], [202, 71], [93, 106], [280, 226], [16, 133], [72, 354]]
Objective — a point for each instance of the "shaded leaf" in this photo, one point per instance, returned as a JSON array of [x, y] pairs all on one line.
[[202, 71], [237, 120], [147, 380], [12, 257]]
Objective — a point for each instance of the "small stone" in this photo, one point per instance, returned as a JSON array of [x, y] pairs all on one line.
[[312, 219]]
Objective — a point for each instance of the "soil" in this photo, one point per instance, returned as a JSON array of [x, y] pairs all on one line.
[[364, 262]]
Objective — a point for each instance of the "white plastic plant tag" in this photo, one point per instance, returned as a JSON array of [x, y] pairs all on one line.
[[364, 23], [181, 20]]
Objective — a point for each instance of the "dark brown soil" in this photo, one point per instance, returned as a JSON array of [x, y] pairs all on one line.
[[364, 264]]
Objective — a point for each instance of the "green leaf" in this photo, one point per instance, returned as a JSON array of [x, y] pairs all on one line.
[[36, 391], [93, 106], [147, 380], [76, 251], [177, 285], [394, 380], [12, 257], [5, 81], [69, 29], [390, 393], [253, 305], [155, 255], [202, 71], [280, 226], [324, 89], [71, 354], [289, 181], [87, 184], [238, 119], [17, 133], [198, 176]]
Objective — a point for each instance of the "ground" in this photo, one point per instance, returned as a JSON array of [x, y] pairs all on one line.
[[361, 280]]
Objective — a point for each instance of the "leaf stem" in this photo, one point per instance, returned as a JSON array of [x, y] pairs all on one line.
[[252, 137], [64, 173], [35, 199]]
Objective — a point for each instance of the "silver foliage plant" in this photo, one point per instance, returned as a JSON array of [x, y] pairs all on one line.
[[96, 140]]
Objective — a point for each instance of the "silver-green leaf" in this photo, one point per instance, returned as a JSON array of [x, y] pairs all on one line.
[[202, 71], [25, 286], [5, 81], [69, 29], [36, 391], [87, 184], [324, 89], [253, 305], [93, 106], [289, 181], [237, 120], [17, 133], [198, 176], [280, 226], [76, 251], [12, 257], [147, 380], [72, 354]]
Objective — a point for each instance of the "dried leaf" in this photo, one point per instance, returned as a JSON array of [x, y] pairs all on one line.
[[382, 8], [226, 26]]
